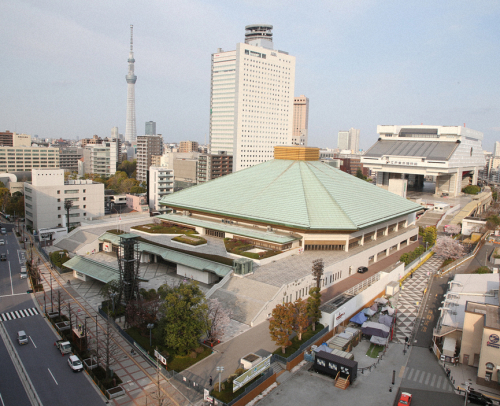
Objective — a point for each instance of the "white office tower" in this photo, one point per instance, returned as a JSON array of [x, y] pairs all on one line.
[[251, 101], [496, 149], [348, 140], [130, 128], [115, 133]]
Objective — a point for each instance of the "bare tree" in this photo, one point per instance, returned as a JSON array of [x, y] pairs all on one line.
[[447, 247], [317, 271], [218, 320], [109, 349], [159, 396]]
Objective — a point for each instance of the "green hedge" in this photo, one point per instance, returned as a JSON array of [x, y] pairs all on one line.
[[58, 259], [239, 247], [471, 190], [162, 229], [411, 256]]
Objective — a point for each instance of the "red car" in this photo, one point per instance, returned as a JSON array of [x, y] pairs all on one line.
[[405, 399]]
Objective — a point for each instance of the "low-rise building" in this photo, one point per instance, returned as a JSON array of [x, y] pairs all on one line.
[[137, 202], [45, 195], [9, 139], [188, 146], [22, 159], [69, 157]]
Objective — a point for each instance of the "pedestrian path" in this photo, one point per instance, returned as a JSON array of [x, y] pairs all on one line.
[[18, 314], [433, 381], [410, 298]]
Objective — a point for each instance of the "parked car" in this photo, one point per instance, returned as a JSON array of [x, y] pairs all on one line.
[[22, 338], [2, 242], [478, 398], [405, 399], [3, 256], [3, 230], [75, 364], [362, 269]]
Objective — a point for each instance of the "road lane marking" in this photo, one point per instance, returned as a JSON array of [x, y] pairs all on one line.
[[439, 382], [410, 374], [402, 371], [33, 342], [1, 398], [416, 376], [52, 377], [10, 273], [428, 377], [15, 294]]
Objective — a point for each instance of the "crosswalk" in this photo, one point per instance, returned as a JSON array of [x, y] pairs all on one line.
[[410, 298], [429, 379], [17, 314]]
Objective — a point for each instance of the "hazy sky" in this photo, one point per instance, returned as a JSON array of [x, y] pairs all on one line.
[[360, 62]]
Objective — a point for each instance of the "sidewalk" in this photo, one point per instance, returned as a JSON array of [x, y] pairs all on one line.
[[138, 376]]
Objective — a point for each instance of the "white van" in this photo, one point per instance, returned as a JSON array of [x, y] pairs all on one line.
[[24, 274]]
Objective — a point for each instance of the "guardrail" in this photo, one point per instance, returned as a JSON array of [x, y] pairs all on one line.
[[364, 284], [374, 365], [301, 349], [219, 285]]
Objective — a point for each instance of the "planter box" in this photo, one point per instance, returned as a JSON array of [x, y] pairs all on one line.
[[115, 392], [52, 315], [90, 363], [62, 325]]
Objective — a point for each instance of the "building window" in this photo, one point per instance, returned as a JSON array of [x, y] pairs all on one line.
[[58, 192], [58, 216], [59, 208], [84, 198], [489, 365], [84, 206], [58, 200], [84, 190], [487, 376], [71, 191]]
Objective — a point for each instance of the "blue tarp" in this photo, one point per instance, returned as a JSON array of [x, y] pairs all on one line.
[[360, 318]]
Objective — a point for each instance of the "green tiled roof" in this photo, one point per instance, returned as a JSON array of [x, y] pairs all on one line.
[[228, 228], [93, 269], [191, 261], [298, 194]]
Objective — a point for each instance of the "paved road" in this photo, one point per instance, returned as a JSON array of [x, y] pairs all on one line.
[[49, 372], [11, 389], [430, 398]]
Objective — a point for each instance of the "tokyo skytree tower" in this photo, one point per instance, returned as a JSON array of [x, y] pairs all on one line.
[[130, 128]]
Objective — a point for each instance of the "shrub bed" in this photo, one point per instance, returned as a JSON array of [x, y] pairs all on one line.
[[57, 259], [239, 247], [164, 229], [191, 240], [471, 189], [226, 395], [296, 343], [483, 269], [175, 362]]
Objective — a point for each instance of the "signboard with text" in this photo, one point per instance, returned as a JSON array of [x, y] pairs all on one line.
[[258, 369]]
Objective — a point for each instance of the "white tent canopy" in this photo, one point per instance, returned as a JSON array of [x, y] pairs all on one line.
[[381, 300], [379, 340], [388, 309], [369, 312]]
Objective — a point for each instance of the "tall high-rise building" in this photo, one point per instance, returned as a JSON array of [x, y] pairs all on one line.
[[150, 128], [496, 149], [300, 120], [251, 99], [130, 128], [348, 140], [115, 133], [147, 146]]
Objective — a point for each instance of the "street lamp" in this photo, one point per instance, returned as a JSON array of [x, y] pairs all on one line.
[[150, 326], [220, 370], [467, 390]]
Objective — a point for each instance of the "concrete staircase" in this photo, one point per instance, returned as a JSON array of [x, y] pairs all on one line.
[[245, 297]]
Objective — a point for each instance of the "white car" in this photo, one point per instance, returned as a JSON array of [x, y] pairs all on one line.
[[2, 242], [75, 364]]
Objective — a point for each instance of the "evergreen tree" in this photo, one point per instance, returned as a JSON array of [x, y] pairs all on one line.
[[313, 303], [183, 315], [430, 235]]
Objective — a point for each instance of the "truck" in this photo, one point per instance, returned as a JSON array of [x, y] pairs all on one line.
[[63, 346]]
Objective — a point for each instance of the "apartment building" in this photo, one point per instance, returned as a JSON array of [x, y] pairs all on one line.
[[211, 166], [69, 157], [22, 159], [45, 195], [188, 146], [147, 147], [160, 183]]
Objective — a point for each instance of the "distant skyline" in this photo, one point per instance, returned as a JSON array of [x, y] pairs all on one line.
[[360, 63]]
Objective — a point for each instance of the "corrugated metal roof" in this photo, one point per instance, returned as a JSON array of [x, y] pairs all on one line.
[[94, 269], [191, 261], [430, 150], [228, 228], [296, 194]]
